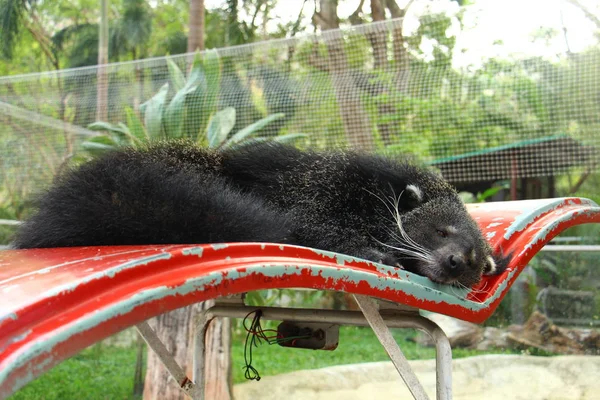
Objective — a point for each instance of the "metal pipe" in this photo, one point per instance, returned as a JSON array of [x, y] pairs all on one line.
[[11, 222], [375, 320], [204, 319], [443, 358], [340, 317], [570, 247], [165, 357]]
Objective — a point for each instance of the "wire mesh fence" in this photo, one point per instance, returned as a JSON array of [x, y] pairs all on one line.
[[374, 87]]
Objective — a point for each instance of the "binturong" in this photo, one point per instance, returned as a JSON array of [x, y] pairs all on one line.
[[380, 209]]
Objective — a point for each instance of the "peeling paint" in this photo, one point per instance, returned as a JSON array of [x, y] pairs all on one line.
[[538, 208], [340, 259], [219, 246], [193, 251], [66, 263], [110, 273], [527, 216], [542, 235], [501, 288], [16, 339], [11, 316]]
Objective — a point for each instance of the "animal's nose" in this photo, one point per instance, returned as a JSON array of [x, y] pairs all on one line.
[[454, 264]]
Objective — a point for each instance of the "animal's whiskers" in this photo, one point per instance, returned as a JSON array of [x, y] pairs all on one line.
[[409, 247], [453, 288], [406, 244], [396, 215], [380, 199], [413, 253], [458, 285], [473, 290]]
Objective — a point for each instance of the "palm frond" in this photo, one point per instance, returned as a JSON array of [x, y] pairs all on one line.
[[11, 16]]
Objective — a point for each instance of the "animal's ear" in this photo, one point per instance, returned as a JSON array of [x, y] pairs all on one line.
[[490, 266], [412, 196], [495, 265]]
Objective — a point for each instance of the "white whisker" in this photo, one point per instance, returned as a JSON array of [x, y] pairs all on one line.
[[401, 228], [421, 256], [410, 248], [380, 199], [453, 287], [478, 291]]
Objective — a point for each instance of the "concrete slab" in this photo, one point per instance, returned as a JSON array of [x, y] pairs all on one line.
[[490, 377]]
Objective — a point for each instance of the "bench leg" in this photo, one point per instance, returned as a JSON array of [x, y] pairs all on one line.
[[443, 350], [204, 319], [443, 359], [166, 358]]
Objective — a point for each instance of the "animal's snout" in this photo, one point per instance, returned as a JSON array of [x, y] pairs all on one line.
[[454, 264]]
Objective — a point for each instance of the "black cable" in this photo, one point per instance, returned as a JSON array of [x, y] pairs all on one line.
[[255, 336]]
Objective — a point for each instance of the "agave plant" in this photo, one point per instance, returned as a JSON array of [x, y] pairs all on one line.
[[182, 108]]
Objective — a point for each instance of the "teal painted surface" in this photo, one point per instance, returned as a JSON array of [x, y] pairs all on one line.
[[193, 251], [522, 221]]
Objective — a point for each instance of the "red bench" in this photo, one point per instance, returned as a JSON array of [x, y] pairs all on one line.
[[56, 302]]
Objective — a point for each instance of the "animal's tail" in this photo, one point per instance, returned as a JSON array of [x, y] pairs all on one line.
[[129, 197]]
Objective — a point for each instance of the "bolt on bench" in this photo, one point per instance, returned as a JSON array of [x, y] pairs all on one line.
[[56, 302]]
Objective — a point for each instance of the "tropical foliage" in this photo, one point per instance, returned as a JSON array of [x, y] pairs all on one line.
[[184, 107]]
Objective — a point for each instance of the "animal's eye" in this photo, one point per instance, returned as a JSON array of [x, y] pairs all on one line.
[[442, 233]]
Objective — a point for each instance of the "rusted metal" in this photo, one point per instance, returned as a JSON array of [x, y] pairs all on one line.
[[55, 302]]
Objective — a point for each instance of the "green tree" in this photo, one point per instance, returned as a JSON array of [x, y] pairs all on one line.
[[132, 31], [17, 16]]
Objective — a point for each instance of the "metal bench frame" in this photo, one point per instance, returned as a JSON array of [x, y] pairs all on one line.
[[379, 315]]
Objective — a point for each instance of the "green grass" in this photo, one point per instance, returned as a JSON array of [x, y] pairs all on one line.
[[106, 372], [97, 373]]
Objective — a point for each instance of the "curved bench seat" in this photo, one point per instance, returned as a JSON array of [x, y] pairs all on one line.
[[55, 302]]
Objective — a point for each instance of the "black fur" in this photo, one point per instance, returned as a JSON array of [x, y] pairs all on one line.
[[338, 201]]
